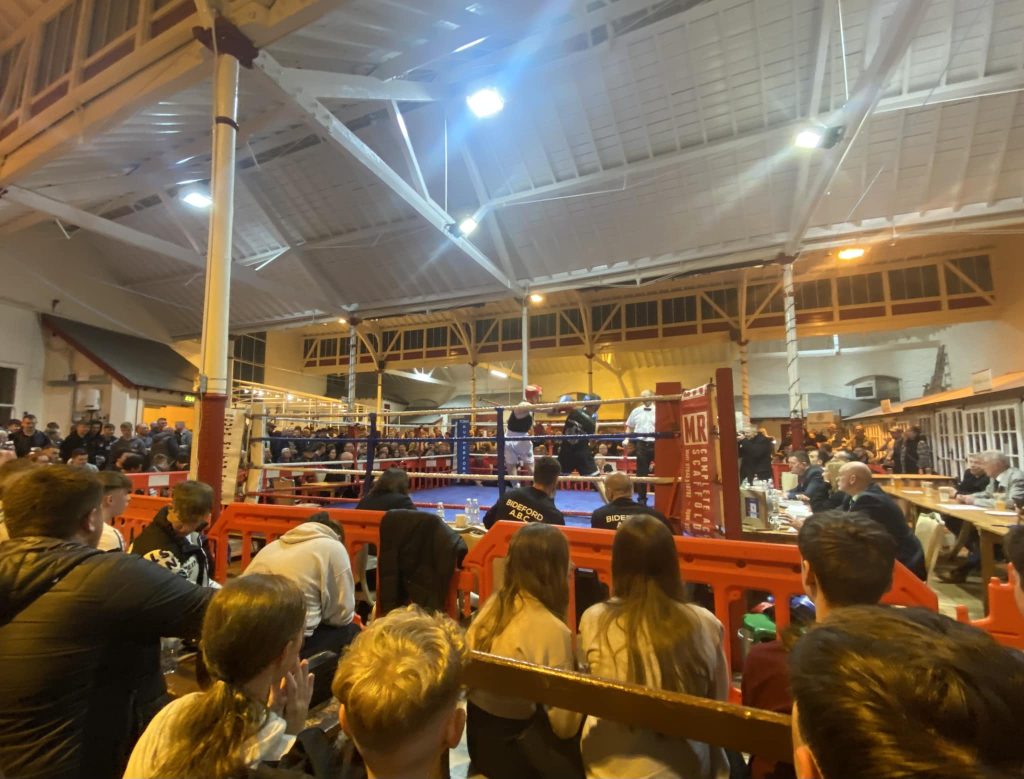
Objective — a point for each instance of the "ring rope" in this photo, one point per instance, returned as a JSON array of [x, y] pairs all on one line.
[[466, 476]]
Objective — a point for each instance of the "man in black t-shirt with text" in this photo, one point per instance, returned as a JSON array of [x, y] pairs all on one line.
[[619, 489], [535, 503]]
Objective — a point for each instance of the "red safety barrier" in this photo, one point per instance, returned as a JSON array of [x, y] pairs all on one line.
[[1004, 620], [161, 481]]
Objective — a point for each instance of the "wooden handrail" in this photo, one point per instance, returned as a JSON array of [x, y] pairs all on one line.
[[743, 729]]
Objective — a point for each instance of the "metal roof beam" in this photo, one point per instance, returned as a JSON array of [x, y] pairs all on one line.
[[127, 235], [896, 39], [343, 138], [346, 86]]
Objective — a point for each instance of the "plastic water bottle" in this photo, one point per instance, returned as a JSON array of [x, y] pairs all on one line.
[[474, 511], [440, 509]]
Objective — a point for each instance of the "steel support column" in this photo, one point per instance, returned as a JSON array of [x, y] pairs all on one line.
[[796, 410], [526, 345], [215, 381], [353, 355]]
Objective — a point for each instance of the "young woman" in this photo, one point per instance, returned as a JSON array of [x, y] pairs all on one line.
[[389, 491], [647, 634], [252, 633], [524, 620]]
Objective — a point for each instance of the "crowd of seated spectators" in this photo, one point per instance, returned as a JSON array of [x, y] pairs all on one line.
[[99, 446]]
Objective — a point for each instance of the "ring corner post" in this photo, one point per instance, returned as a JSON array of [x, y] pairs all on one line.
[[499, 415], [371, 450], [728, 454], [667, 452]]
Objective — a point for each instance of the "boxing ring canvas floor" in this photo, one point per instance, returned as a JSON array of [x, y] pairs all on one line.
[[458, 494]]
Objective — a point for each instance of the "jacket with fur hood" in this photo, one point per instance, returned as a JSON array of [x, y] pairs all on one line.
[[313, 557], [79, 648]]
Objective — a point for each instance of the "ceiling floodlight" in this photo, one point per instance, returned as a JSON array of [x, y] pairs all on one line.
[[197, 199], [485, 102], [808, 139], [851, 253], [468, 225], [498, 374], [536, 297]]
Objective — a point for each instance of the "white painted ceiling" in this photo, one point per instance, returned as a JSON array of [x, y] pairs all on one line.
[[638, 138]]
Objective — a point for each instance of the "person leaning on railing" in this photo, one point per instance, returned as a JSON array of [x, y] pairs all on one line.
[[648, 634]]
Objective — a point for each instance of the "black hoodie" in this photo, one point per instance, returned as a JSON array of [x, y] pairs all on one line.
[[79, 653]]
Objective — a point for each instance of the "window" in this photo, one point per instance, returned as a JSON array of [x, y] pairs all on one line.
[[607, 317], [390, 340], [486, 332], [250, 353], [543, 325], [725, 299], [412, 339], [309, 349], [756, 295], [682, 309], [642, 314], [950, 457], [858, 290], [976, 269], [512, 329], [1004, 432], [813, 294], [570, 322], [328, 347], [976, 431], [8, 381], [437, 337], [111, 18], [56, 47], [910, 283]]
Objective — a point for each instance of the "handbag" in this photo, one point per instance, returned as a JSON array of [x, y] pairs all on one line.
[[550, 756]]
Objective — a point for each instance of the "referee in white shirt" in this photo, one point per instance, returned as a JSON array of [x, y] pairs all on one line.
[[641, 420]]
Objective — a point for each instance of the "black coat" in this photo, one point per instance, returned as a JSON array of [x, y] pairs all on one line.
[[165, 443], [813, 485], [524, 504], [874, 503], [79, 654], [385, 501], [185, 555], [756, 457], [23, 444], [418, 557], [72, 442]]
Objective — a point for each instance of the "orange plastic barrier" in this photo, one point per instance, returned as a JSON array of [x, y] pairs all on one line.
[[730, 568], [268, 522], [139, 514], [161, 481], [1004, 620]]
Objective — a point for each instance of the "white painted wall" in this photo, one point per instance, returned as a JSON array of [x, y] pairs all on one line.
[[22, 348], [285, 364]]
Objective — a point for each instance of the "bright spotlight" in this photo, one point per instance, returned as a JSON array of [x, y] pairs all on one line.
[[485, 102], [851, 253], [498, 374], [468, 225], [536, 297], [197, 199], [342, 321], [809, 139]]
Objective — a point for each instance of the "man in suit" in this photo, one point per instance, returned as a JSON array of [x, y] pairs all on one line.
[[811, 486], [866, 497], [1004, 483]]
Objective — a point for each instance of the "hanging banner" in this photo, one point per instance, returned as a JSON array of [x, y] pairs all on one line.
[[235, 438], [697, 470]]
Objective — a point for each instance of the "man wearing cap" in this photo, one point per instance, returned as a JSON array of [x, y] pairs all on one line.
[[641, 420], [518, 447]]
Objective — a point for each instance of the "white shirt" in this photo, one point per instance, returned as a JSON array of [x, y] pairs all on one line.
[[111, 540], [612, 750], [270, 743], [533, 635], [641, 420]]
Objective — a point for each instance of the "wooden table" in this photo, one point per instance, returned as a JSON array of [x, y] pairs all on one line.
[[991, 528], [912, 477]]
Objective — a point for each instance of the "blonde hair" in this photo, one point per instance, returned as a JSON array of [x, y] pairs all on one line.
[[398, 674]]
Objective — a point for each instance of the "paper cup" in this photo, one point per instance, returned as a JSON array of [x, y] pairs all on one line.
[[461, 520]]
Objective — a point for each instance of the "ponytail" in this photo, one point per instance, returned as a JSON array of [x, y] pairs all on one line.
[[210, 739]]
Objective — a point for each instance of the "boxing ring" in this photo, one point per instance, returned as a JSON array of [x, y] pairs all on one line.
[[453, 480]]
